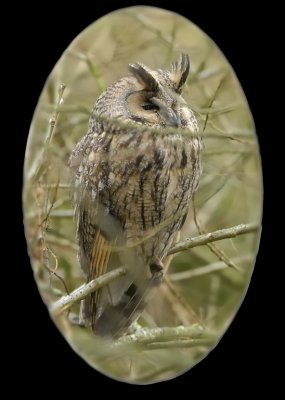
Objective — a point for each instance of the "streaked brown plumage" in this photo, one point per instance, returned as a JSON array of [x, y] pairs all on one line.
[[134, 174]]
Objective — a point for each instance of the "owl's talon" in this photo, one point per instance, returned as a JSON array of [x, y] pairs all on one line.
[[156, 266]]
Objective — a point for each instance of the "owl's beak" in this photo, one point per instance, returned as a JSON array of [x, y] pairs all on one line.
[[173, 120], [168, 114]]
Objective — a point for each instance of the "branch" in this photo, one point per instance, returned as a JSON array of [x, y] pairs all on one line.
[[214, 236], [186, 343], [168, 337], [212, 246], [206, 269], [83, 291]]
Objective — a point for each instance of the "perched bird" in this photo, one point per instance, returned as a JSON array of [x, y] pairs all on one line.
[[134, 174]]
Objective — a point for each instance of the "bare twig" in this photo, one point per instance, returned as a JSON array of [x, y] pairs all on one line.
[[80, 293], [185, 313], [45, 203], [214, 236], [54, 118], [62, 214], [55, 185], [62, 242], [212, 246], [205, 269], [212, 101], [186, 343], [118, 125]]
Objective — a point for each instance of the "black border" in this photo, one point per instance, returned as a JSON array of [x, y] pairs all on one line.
[[238, 362]]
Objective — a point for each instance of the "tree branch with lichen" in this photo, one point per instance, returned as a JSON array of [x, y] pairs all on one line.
[[167, 337]]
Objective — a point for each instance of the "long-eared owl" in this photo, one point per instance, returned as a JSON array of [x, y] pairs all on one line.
[[134, 174]]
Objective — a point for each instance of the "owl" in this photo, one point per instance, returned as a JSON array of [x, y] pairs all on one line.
[[133, 176]]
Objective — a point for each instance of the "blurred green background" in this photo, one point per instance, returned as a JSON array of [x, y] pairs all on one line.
[[230, 190]]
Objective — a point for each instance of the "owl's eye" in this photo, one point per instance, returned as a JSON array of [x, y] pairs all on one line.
[[150, 106]]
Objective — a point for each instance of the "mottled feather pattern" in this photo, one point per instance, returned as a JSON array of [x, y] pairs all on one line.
[[132, 188]]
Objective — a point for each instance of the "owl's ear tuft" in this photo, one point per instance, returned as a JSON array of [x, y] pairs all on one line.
[[144, 76], [180, 72]]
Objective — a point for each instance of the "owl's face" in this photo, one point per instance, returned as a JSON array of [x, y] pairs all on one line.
[[149, 97]]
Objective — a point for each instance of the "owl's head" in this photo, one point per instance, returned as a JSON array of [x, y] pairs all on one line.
[[150, 97]]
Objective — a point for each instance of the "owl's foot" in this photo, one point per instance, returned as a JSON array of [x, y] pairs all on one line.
[[156, 268]]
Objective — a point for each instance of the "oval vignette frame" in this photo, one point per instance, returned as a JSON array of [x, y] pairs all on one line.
[[232, 180]]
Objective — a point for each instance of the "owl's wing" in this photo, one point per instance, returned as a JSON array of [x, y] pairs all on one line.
[[112, 309], [94, 247], [99, 234]]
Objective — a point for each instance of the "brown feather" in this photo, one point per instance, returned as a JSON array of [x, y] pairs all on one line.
[[100, 257]]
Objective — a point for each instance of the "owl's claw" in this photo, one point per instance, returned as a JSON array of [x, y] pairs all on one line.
[[156, 268]]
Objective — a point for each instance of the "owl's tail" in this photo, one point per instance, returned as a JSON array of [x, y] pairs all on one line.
[[112, 319], [116, 319]]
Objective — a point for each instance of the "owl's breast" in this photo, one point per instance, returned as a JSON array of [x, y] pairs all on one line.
[[144, 180], [150, 182]]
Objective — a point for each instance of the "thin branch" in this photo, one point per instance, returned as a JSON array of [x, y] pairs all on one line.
[[80, 293], [214, 236], [205, 269], [62, 214], [43, 213], [180, 344], [54, 118], [169, 336], [55, 185], [117, 125], [185, 313], [61, 242], [165, 334], [212, 246], [83, 291], [52, 272], [212, 101]]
